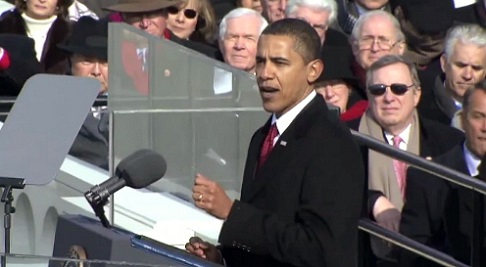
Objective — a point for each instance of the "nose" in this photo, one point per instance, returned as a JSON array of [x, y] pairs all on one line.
[[96, 70], [388, 96], [328, 92], [282, 4], [264, 71], [375, 47], [180, 16], [239, 44], [467, 73], [144, 22]]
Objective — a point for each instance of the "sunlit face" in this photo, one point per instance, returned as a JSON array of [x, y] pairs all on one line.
[[284, 79], [466, 66], [154, 22], [315, 17], [183, 23], [372, 4], [381, 30], [253, 4], [393, 112], [83, 66], [239, 44], [40, 9], [474, 123], [274, 9], [335, 92]]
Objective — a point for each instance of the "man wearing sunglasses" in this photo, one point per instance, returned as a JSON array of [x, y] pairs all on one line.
[[393, 91], [463, 64], [151, 17]]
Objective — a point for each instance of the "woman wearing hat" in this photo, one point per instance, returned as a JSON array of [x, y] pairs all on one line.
[[46, 22], [338, 85]]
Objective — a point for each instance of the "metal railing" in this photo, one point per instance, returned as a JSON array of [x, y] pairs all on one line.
[[477, 186]]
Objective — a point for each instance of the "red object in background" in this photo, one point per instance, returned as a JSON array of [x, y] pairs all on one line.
[[4, 59]]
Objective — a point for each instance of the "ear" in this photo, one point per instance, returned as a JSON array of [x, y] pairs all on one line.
[[314, 70], [220, 45], [401, 47], [463, 118], [417, 93], [443, 62]]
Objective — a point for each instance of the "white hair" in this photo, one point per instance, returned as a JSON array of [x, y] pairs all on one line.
[[240, 12], [324, 5], [356, 33], [470, 34]]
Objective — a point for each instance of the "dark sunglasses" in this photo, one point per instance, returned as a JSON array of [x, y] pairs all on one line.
[[188, 13], [396, 88]]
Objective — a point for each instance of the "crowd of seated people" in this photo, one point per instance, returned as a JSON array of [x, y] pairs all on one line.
[[409, 73]]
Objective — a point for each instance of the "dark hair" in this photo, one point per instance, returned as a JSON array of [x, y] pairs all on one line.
[[390, 60], [61, 10], [469, 92], [306, 41]]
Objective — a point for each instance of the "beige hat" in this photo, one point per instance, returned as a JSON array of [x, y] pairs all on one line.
[[133, 6]]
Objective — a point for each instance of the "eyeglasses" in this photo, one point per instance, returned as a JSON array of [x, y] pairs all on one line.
[[396, 88], [188, 13], [382, 42]]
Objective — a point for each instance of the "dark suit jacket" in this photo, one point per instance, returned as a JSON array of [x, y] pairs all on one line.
[[438, 213], [435, 139], [302, 207]]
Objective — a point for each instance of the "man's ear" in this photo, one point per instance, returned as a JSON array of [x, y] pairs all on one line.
[[443, 62], [314, 70]]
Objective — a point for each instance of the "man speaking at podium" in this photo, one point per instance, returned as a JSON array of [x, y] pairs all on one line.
[[303, 184]]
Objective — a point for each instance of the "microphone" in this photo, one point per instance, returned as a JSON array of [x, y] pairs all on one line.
[[138, 170]]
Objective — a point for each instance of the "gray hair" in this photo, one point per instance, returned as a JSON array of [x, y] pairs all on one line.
[[390, 60], [240, 12], [466, 34], [324, 5], [355, 34]]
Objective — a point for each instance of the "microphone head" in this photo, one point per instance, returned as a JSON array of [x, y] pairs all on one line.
[[141, 168]]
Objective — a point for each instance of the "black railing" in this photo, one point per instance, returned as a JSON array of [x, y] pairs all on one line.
[[477, 186]]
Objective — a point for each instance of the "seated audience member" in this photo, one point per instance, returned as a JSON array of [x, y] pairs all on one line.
[[238, 37], [88, 53], [338, 85], [393, 93], [17, 62], [251, 4], [349, 11], [151, 17], [274, 10], [47, 23], [463, 64], [320, 14], [439, 213], [193, 20], [474, 13], [377, 33], [303, 182]]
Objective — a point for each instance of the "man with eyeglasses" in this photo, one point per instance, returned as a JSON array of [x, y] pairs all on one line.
[[376, 34], [463, 64], [151, 17], [393, 90]]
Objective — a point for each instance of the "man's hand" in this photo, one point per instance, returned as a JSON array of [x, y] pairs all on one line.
[[386, 214], [211, 197], [198, 247]]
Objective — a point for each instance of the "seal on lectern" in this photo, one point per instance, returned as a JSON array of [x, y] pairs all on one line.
[[78, 253]]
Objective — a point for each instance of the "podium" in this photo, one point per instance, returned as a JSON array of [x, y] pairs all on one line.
[[80, 237]]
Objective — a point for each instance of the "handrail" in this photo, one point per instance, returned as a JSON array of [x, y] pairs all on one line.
[[408, 244], [423, 164]]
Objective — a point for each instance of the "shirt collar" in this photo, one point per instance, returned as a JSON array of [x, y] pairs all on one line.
[[286, 119], [405, 135], [472, 161]]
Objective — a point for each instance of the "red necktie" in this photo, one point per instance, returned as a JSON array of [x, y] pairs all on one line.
[[267, 145], [400, 168]]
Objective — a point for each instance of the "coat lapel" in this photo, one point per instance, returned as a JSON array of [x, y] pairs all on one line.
[[283, 151]]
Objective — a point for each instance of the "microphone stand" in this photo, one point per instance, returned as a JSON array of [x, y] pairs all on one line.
[[97, 204], [8, 184]]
